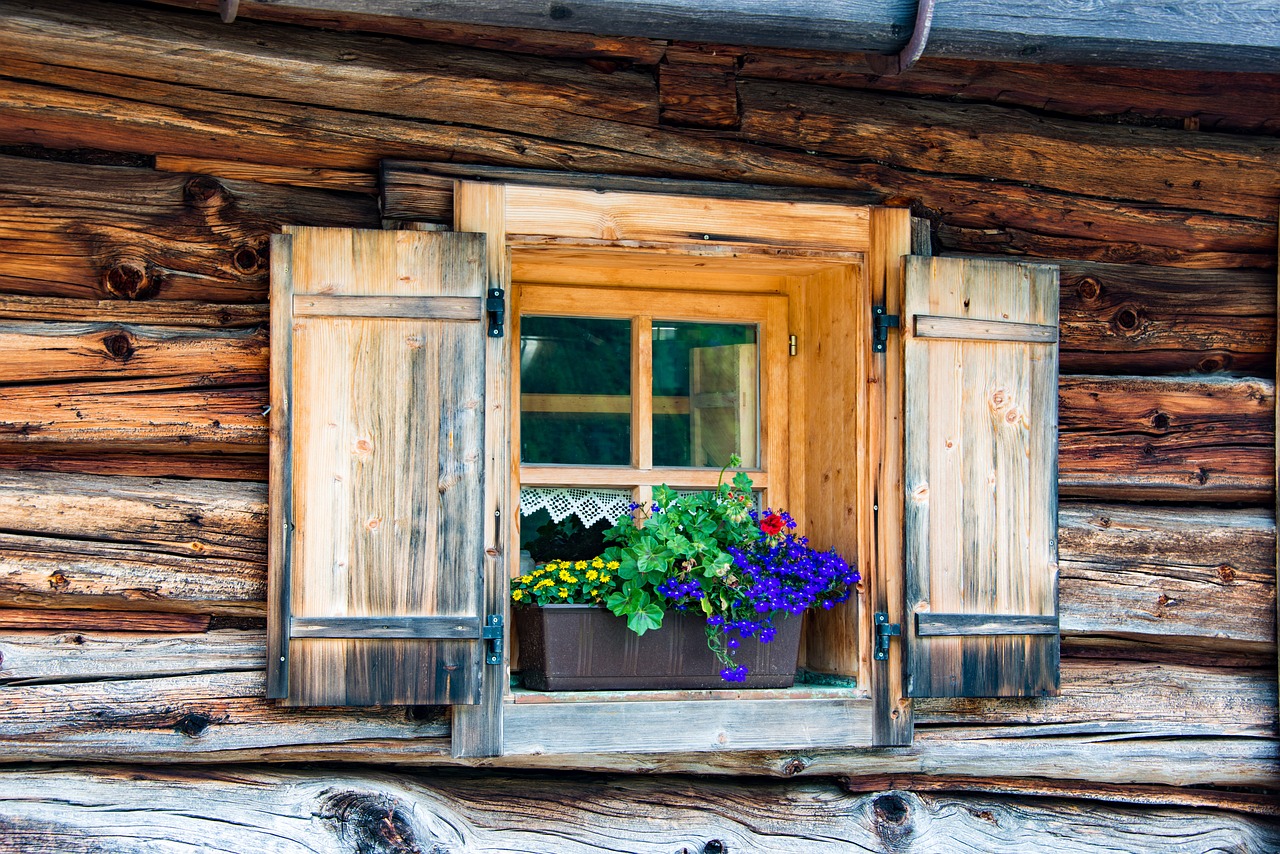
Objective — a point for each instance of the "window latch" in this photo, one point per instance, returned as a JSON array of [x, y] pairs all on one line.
[[495, 305], [881, 324], [884, 631], [492, 633]]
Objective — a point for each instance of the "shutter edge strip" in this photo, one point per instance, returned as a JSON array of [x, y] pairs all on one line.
[[389, 307], [399, 628], [934, 326], [945, 625]]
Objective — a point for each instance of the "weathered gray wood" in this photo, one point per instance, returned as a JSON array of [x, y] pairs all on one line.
[[418, 308], [1200, 34], [980, 470], [1197, 577], [606, 726], [423, 628], [30, 657], [942, 625], [280, 481], [109, 809], [73, 620], [163, 313]]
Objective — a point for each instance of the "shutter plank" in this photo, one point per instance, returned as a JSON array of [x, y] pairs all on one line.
[[388, 434], [981, 503]]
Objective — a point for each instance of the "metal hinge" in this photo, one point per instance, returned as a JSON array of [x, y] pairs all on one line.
[[492, 633], [881, 323], [884, 631], [791, 343], [496, 306]]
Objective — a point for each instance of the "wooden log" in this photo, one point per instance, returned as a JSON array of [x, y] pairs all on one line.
[[1138, 438], [1159, 699], [213, 466], [266, 60], [1150, 165], [344, 180], [1188, 576], [141, 414], [1125, 318], [1079, 90], [67, 352], [33, 657], [184, 120], [119, 621], [641, 51], [99, 231], [165, 313], [190, 715], [246, 809], [1249, 804]]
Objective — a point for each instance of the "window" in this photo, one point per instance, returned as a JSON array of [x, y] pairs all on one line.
[[405, 422]]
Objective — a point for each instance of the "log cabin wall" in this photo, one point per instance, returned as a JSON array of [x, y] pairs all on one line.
[[147, 154]]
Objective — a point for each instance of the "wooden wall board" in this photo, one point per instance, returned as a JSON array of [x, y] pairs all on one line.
[[327, 811]]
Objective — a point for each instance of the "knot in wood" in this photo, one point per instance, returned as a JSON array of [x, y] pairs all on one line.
[[715, 846], [59, 582], [249, 258], [891, 819], [374, 824], [204, 191], [129, 278], [1089, 289], [1214, 363], [559, 12], [192, 724], [1227, 573], [119, 346], [1128, 321], [793, 766]]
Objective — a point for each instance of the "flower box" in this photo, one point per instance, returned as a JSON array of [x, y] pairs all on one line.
[[587, 648]]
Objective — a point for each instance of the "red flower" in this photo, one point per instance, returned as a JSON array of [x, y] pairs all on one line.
[[771, 524]]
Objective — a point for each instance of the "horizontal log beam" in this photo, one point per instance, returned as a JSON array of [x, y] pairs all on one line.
[[157, 313], [1191, 35], [250, 809], [84, 460], [1133, 438], [1188, 576], [30, 657], [96, 232], [1053, 214], [72, 620]]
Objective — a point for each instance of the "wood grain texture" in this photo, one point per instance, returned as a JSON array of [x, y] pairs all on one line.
[[124, 808], [30, 657], [155, 313], [1132, 438], [73, 620], [392, 410], [698, 88], [981, 457], [1169, 574], [85, 460], [343, 180], [110, 232]]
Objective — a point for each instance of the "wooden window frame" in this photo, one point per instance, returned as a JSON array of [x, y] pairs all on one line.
[[575, 236]]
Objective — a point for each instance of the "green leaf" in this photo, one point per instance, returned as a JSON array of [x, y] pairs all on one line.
[[649, 617]]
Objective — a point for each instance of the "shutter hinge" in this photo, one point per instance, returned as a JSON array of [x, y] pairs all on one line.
[[791, 343], [881, 323], [496, 306], [884, 631], [492, 633]]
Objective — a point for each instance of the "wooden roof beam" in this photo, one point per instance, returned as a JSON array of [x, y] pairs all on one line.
[[1194, 34]]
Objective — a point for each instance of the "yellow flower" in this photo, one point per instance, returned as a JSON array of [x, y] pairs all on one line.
[[595, 592], [604, 579], [564, 575], [517, 595], [613, 564], [564, 594], [546, 582], [582, 564], [525, 579], [598, 563], [564, 564], [592, 575]]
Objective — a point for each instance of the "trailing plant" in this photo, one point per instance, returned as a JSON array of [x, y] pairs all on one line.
[[709, 552]]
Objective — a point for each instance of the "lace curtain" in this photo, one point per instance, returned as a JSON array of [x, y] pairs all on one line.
[[589, 505]]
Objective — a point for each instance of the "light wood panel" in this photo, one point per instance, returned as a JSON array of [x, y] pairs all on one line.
[[981, 459], [387, 446]]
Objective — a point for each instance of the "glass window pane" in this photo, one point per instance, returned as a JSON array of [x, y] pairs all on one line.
[[575, 391], [705, 394]]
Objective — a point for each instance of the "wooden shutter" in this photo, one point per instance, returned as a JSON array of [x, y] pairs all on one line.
[[378, 468], [981, 361]]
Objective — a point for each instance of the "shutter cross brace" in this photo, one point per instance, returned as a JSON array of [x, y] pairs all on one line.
[[881, 324]]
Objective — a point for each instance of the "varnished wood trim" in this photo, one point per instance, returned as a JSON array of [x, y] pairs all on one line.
[[622, 477], [931, 326], [391, 307], [421, 628], [939, 625]]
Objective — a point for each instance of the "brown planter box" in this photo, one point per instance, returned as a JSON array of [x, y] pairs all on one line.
[[587, 648]]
